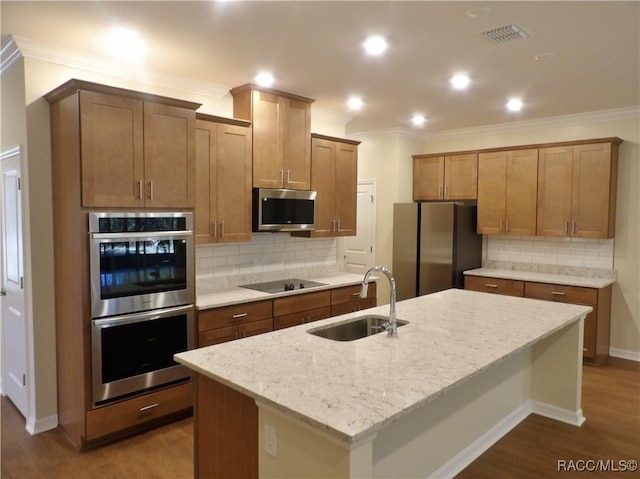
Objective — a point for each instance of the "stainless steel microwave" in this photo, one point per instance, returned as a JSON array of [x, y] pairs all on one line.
[[283, 210]]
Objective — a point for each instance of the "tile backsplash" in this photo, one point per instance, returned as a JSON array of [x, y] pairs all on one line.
[[550, 254], [266, 253]]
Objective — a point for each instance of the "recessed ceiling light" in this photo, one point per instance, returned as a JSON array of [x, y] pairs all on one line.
[[375, 45], [514, 104], [418, 120], [355, 103], [460, 82], [126, 44], [264, 79]]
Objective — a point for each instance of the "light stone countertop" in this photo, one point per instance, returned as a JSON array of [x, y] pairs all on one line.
[[352, 389], [563, 279], [237, 295]]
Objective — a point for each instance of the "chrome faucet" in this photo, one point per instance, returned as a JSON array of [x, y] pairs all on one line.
[[392, 327]]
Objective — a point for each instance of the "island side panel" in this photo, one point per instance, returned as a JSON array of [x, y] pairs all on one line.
[[556, 379], [225, 432], [305, 452]]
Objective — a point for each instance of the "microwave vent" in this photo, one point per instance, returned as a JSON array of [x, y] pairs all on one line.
[[505, 34]]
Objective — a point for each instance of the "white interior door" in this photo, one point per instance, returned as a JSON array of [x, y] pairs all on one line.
[[359, 250], [14, 327]]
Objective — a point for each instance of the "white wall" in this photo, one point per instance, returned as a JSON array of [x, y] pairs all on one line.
[[378, 161]]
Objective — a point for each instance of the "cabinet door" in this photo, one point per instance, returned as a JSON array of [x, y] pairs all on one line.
[[205, 216], [267, 142], [112, 150], [232, 194], [296, 144], [428, 178], [169, 156], [522, 188], [492, 191], [591, 194], [346, 179], [461, 177], [323, 181], [555, 174]]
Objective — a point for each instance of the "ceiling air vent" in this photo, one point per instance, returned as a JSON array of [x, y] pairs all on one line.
[[505, 34]]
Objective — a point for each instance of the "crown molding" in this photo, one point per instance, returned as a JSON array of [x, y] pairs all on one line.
[[28, 48], [398, 132], [330, 116], [9, 55], [526, 125]]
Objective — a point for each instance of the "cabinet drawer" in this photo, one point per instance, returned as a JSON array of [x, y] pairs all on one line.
[[351, 293], [302, 317], [351, 306], [254, 328], [217, 336], [507, 287], [234, 315], [301, 302], [561, 293], [137, 411]]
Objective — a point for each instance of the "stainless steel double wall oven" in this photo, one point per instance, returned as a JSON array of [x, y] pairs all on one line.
[[142, 295]]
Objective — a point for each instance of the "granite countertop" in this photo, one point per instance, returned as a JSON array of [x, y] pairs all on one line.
[[237, 295], [567, 280], [352, 389]]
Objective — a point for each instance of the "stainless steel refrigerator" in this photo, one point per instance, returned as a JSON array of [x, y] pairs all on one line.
[[433, 244]]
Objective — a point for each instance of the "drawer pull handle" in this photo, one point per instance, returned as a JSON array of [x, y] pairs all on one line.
[[149, 407], [239, 315], [558, 293], [357, 293], [490, 285], [585, 349]]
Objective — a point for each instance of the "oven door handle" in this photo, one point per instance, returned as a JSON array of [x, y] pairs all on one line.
[[142, 316], [142, 235]]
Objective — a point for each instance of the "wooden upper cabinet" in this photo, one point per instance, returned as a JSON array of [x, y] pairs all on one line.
[[507, 188], [281, 136], [593, 196], [169, 156], [135, 149], [112, 150], [223, 180], [555, 174], [577, 190], [451, 177], [334, 176]]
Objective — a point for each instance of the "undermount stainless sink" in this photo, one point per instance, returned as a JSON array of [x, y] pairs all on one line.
[[356, 328]]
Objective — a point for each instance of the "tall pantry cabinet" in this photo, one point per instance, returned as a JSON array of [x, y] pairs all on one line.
[[111, 149]]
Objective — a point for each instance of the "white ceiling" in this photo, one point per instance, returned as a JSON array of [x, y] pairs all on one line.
[[314, 49]]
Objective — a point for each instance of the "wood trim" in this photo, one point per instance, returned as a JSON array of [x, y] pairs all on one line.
[[253, 87], [612, 140], [222, 119], [225, 432], [335, 138], [73, 85]]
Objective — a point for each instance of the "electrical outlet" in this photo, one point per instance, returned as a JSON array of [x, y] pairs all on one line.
[[270, 440]]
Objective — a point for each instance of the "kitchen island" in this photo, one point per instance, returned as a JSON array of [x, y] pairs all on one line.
[[466, 369]]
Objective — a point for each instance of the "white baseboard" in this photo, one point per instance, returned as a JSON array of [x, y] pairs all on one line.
[[484, 442], [36, 426], [575, 418], [624, 354]]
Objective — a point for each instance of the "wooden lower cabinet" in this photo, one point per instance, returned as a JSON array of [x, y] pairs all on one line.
[[347, 299], [218, 325], [228, 323], [133, 413], [301, 309], [596, 325]]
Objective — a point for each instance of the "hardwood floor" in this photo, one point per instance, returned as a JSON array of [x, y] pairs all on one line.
[[611, 404]]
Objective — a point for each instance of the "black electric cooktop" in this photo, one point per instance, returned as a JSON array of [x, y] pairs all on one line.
[[291, 284]]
